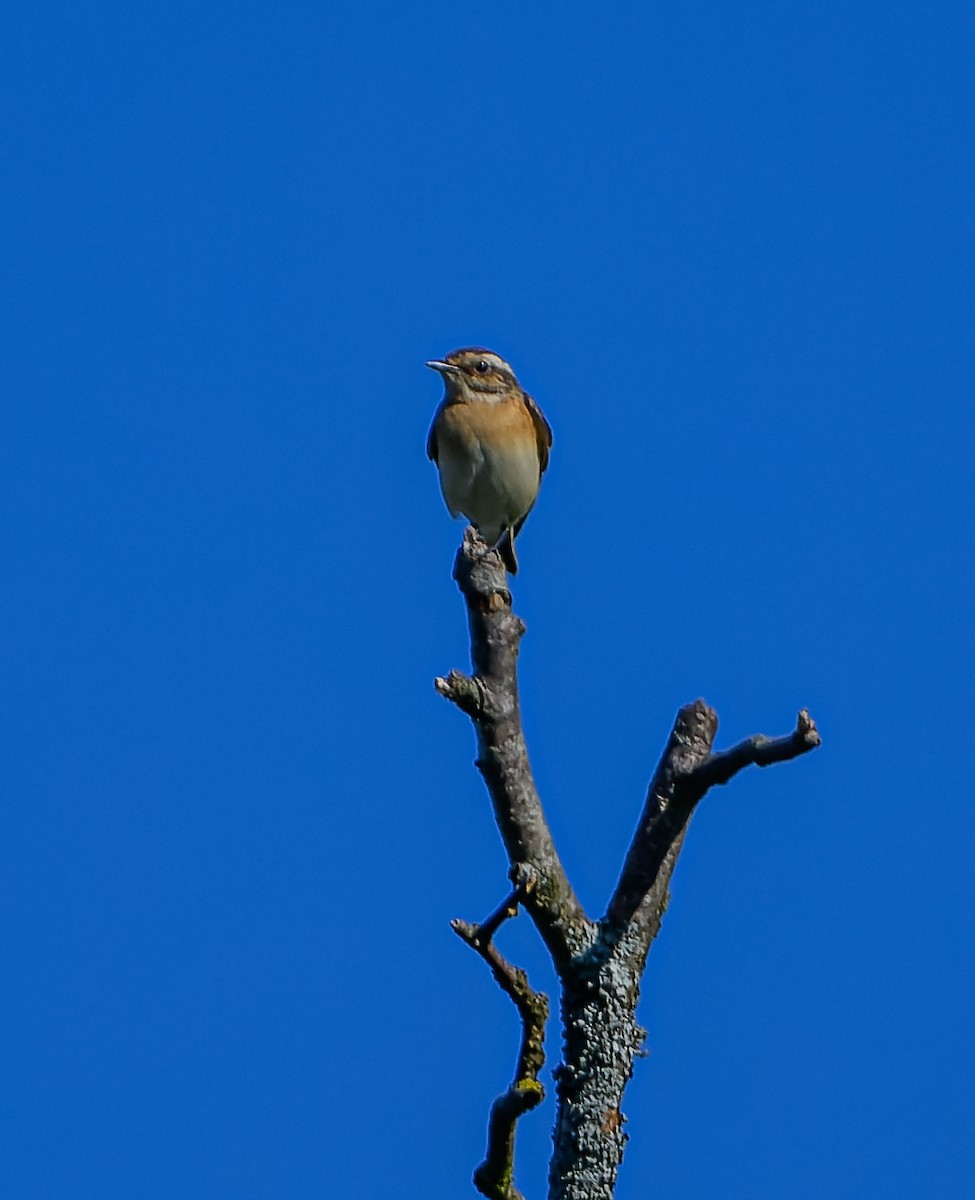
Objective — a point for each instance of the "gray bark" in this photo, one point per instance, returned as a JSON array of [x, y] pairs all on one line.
[[599, 963]]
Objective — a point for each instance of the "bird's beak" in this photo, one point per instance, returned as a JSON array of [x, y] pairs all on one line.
[[437, 364]]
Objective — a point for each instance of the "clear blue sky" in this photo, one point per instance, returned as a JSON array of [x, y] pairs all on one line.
[[729, 247]]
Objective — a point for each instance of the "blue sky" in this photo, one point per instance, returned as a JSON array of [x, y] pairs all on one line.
[[729, 248]]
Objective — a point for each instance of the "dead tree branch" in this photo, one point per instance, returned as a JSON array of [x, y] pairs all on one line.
[[599, 964], [490, 698], [494, 1178], [686, 772], [759, 751]]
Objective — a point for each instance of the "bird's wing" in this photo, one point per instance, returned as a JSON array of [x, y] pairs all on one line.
[[543, 441], [432, 435], [543, 433]]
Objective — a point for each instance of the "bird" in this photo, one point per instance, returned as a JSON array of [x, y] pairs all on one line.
[[490, 442]]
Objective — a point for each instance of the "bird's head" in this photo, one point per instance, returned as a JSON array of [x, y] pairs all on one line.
[[475, 373]]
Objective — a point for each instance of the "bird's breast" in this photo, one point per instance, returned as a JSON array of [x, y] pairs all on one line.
[[489, 466]]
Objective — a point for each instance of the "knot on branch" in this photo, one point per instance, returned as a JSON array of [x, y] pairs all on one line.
[[525, 877], [466, 691]]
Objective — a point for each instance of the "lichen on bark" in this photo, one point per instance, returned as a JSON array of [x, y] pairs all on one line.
[[599, 964]]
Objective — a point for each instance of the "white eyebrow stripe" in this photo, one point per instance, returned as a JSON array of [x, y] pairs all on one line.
[[497, 361], [472, 355]]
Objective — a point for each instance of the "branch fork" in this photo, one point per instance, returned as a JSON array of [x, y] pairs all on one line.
[[599, 964]]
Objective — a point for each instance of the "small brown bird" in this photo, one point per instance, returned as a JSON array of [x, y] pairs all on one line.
[[490, 442]]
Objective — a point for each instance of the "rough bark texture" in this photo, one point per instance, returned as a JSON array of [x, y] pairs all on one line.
[[599, 963], [494, 1178], [490, 698]]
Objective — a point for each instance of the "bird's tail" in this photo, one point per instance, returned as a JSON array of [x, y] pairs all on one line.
[[506, 548]]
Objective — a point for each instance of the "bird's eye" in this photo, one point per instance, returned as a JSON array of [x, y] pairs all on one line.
[[481, 366]]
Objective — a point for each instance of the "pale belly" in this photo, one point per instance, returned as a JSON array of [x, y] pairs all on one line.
[[493, 487]]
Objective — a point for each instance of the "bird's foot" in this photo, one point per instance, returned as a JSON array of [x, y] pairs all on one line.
[[475, 545]]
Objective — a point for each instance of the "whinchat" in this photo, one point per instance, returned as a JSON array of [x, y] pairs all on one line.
[[490, 442]]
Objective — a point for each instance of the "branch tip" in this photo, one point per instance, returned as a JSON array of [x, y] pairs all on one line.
[[480, 573], [807, 730], [759, 751], [685, 773]]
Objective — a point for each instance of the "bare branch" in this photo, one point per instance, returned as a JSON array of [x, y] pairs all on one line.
[[494, 1178], [759, 750], [600, 965], [665, 814], [687, 770], [504, 912], [490, 698]]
